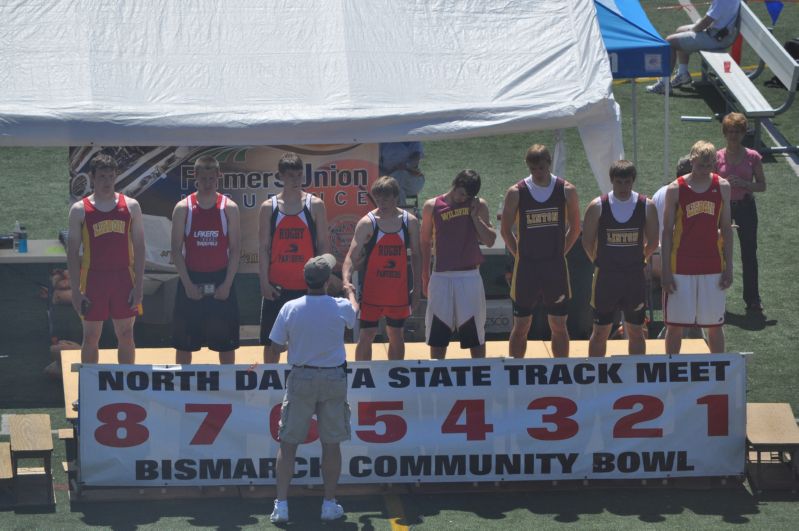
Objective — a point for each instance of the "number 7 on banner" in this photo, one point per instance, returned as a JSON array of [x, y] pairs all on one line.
[[215, 418]]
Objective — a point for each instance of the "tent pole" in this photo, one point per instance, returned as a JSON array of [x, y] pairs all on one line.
[[666, 155], [635, 124]]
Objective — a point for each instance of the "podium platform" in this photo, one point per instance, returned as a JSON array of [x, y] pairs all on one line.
[[413, 351]]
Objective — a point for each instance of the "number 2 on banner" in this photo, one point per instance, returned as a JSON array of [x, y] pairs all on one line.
[[474, 425]]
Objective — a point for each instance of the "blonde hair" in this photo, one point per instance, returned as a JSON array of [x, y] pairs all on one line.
[[702, 150], [537, 153]]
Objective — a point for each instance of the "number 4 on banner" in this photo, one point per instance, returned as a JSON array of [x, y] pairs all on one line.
[[474, 425]]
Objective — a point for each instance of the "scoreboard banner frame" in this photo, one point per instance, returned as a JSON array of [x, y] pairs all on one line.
[[500, 419]]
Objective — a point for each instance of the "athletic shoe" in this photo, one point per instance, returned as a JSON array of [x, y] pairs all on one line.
[[331, 510], [755, 307], [280, 513], [657, 88], [681, 79]]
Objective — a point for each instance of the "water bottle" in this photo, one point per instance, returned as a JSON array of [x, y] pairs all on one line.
[[23, 240], [15, 233]]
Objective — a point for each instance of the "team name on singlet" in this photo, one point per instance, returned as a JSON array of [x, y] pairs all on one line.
[[107, 226], [622, 237], [543, 217], [291, 233], [455, 213], [390, 250], [206, 238], [389, 270], [700, 207]]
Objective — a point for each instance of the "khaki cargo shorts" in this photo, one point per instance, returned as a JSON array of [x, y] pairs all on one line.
[[322, 391]]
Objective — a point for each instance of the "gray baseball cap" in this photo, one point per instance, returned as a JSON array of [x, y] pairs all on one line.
[[318, 269]]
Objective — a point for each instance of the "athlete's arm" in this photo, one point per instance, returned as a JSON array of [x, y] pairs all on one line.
[[137, 236], [319, 215], [591, 227], [426, 242], [478, 209], [179, 214], [76, 218], [510, 210], [572, 217], [416, 260], [264, 249], [234, 249], [725, 226], [354, 258], [760, 178], [651, 236], [669, 212]]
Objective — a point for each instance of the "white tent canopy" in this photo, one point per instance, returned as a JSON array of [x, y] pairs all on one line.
[[249, 72]]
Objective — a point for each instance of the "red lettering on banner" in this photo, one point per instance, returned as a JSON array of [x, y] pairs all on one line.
[[474, 425], [565, 427], [395, 426], [217, 415], [108, 433], [651, 408], [274, 426], [718, 423]]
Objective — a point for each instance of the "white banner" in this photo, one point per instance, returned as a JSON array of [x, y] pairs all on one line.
[[445, 421]]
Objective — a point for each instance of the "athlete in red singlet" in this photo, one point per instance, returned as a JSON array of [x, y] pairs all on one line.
[[385, 248], [292, 229], [108, 226], [699, 267], [205, 250]]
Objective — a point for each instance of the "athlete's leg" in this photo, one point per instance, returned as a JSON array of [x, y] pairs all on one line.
[[560, 335], [673, 339], [227, 357], [598, 343], [183, 357], [636, 340], [363, 351], [517, 342], [715, 339], [91, 339], [396, 343], [124, 332]]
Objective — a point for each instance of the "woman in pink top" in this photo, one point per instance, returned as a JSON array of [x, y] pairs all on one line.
[[742, 167]]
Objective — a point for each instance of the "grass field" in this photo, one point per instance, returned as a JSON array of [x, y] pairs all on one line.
[[35, 192]]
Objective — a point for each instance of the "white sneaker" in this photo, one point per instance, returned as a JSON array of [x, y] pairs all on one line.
[[681, 79], [657, 88], [280, 513], [331, 510]]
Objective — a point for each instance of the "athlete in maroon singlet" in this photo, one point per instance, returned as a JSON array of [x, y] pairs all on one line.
[[620, 232], [109, 228], [453, 227], [385, 248], [292, 228], [540, 223], [205, 250]]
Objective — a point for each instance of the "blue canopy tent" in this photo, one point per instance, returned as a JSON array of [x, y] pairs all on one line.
[[635, 49]]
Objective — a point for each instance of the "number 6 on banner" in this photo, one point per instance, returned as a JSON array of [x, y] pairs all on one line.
[[217, 415]]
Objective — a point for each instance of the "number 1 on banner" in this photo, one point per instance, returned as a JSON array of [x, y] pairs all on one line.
[[217, 415], [718, 414], [474, 425]]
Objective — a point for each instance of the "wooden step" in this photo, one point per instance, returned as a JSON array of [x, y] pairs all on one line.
[[6, 471], [30, 434], [771, 426]]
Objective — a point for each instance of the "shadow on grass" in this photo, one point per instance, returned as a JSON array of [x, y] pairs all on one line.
[[731, 506], [229, 513], [749, 321]]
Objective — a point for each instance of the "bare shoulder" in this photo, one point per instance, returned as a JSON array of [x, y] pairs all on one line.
[[569, 186], [231, 205], [315, 201]]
